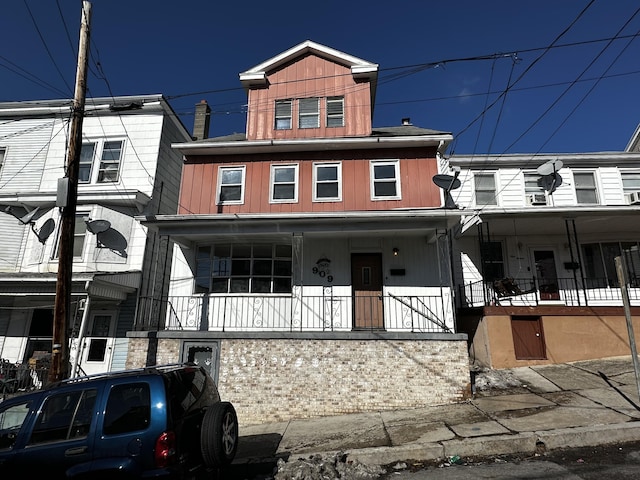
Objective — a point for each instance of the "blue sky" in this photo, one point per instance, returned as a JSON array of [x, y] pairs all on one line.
[[573, 66]]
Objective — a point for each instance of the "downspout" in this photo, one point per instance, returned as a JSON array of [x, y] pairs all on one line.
[[81, 332]]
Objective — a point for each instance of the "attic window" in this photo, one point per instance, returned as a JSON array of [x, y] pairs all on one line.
[[335, 111], [309, 113], [283, 114]]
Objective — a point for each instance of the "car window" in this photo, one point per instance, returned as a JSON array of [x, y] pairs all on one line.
[[11, 420], [128, 408], [64, 416]]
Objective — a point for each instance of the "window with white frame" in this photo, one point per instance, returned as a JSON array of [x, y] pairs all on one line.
[[79, 236], [284, 183], [283, 114], [231, 185], [585, 185], [631, 182], [485, 188], [244, 268], [107, 155], [327, 182], [2, 154], [309, 113], [385, 180], [335, 111]]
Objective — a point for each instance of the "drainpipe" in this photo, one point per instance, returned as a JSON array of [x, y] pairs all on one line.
[[81, 332]]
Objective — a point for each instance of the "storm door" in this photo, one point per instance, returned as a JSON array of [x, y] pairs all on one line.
[[366, 277], [528, 340], [98, 343], [546, 275]]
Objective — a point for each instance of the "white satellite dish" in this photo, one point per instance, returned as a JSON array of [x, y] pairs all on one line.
[[550, 167]]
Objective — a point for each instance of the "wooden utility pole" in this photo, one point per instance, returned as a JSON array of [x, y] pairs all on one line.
[[622, 280], [59, 369]]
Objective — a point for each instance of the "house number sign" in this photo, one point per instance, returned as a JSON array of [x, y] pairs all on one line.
[[322, 269]]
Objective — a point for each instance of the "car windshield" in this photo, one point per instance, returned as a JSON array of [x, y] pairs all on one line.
[[11, 420]]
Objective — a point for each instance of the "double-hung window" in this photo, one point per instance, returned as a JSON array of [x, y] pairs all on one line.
[[107, 155], [335, 111], [631, 182], [231, 185], [283, 114], [284, 183], [585, 184], [327, 182], [385, 180], [485, 186], [309, 113], [79, 236], [2, 153]]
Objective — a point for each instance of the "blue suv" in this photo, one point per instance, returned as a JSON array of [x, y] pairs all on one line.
[[161, 422]]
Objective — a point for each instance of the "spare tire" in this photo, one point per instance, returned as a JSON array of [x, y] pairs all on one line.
[[219, 435]]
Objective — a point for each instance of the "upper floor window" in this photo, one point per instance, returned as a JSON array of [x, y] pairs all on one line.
[[231, 185], [630, 181], [335, 111], [108, 157], [485, 186], [385, 180], [585, 184], [327, 182], [79, 236], [284, 183], [309, 113], [2, 153], [533, 189], [283, 114]]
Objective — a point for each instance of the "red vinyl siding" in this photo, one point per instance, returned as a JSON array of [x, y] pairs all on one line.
[[199, 182]]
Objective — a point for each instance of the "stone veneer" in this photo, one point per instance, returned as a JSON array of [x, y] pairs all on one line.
[[276, 379]]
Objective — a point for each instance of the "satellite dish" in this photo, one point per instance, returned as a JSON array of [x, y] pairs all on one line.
[[98, 226], [47, 229], [25, 219], [550, 182], [550, 167], [448, 183]]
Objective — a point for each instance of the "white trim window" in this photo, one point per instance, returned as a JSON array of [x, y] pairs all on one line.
[[327, 182], [79, 238], [107, 155], [586, 191], [309, 113], [335, 111], [231, 185], [485, 189], [2, 154], [385, 180], [284, 184], [630, 181], [283, 114]]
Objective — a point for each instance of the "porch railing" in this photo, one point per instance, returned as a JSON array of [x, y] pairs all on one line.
[[18, 378], [273, 312], [567, 290]]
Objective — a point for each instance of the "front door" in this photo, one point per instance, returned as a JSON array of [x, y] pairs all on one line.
[[547, 277], [366, 277], [98, 343]]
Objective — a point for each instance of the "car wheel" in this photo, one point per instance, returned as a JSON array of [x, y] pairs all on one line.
[[219, 435]]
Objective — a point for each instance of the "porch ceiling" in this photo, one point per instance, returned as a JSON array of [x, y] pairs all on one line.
[[551, 220], [186, 229]]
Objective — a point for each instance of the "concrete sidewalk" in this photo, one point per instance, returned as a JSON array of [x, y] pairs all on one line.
[[526, 409]]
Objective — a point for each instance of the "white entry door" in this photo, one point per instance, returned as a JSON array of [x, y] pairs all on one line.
[[97, 346]]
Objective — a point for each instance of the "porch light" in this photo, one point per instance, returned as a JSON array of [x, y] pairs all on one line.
[[395, 251]]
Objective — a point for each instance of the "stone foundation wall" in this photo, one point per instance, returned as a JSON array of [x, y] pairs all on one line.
[[271, 380]]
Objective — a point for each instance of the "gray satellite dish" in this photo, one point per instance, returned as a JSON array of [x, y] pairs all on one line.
[[550, 167], [551, 179], [47, 229], [448, 183], [98, 226]]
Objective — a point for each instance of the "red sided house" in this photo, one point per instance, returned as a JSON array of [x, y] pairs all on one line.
[[311, 268]]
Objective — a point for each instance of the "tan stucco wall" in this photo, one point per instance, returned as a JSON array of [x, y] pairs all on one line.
[[568, 338]]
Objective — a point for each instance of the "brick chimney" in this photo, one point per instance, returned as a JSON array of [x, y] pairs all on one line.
[[201, 121]]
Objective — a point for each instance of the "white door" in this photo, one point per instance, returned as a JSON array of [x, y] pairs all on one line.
[[97, 345]]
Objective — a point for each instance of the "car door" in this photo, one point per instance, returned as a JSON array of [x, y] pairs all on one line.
[[16, 416], [60, 436]]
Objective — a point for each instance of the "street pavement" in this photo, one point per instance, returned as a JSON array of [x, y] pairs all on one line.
[[520, 410]]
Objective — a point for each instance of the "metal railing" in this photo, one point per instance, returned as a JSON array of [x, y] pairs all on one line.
[[18, 378], [567, 290], [286, 312]]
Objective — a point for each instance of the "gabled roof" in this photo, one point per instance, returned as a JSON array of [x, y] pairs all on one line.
[[360, 68]]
